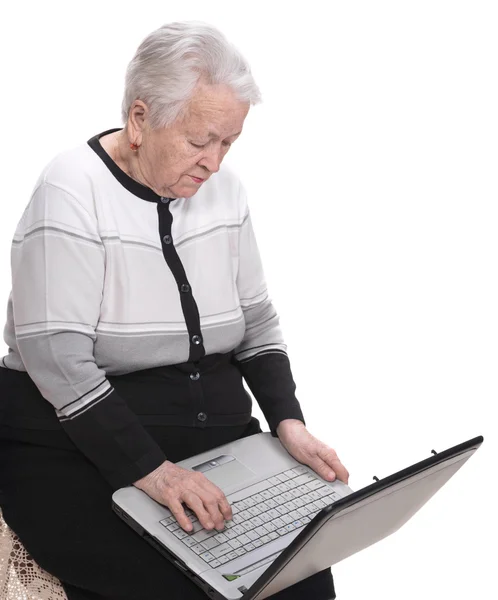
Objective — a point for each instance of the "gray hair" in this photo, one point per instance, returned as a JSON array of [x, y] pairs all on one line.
[[171, 60]]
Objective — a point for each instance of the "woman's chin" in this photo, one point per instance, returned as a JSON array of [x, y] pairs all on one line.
[[185, 191]]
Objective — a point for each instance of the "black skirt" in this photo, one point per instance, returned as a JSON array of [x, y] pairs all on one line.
[[59, 505]]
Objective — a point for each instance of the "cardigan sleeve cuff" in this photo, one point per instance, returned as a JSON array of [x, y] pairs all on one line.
[[112, 438], [270, 379]]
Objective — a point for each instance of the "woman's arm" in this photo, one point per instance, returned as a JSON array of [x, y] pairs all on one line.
[[58, 263], [262, 355], [263, 361]]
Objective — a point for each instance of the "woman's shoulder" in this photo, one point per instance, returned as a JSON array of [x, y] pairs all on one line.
[[74, 171]]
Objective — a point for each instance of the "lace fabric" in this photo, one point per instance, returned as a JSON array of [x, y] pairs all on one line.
[[20, 577]]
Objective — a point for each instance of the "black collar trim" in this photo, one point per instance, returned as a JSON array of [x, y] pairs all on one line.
[[136, 188]]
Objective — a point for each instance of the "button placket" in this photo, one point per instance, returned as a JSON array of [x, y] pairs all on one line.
[[173, 260]]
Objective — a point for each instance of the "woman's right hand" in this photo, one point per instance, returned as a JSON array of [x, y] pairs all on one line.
[[171, 485]]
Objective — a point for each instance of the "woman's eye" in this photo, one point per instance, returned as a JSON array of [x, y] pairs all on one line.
[[197, 145], [227, 144]]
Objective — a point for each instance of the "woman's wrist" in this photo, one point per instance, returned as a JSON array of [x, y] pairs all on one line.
[[288, 425], [152, 477]]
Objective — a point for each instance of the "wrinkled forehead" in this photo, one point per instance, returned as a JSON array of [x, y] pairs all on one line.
[[214, 113]]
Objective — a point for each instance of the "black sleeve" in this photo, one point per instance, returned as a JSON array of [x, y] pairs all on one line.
[[270, 380], [111, 436]]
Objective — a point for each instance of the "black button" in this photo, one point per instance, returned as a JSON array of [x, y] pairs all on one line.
[[202, 417], [167, 239], [165, 200], [196, 339], [195, 376], [185, 288]]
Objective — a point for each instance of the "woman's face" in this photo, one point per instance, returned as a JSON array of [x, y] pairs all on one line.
[[194, 145]]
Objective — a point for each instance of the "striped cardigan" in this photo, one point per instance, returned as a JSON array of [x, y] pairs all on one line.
[[110, 278]]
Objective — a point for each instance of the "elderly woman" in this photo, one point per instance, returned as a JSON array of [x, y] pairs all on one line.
[[138, 307]]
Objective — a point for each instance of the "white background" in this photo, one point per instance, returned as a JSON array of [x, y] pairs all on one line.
[[371, 172]]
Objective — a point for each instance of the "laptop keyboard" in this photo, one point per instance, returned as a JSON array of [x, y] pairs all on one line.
[[287, 503]]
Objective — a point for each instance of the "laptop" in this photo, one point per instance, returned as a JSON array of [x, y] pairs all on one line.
[[288, 523]]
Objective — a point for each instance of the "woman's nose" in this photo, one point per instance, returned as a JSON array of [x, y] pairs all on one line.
[[212, 159]]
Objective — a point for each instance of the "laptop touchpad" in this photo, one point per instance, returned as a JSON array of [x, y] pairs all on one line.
[[225, 471]]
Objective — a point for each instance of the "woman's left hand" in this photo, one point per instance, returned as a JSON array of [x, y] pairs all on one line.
[[305, 448]]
